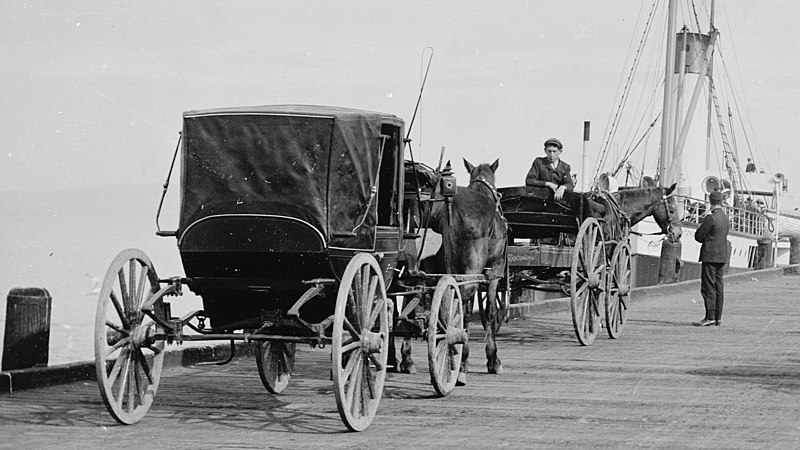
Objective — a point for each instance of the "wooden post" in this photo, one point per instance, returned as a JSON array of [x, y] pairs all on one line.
[[26, 341], [794, 249], [765, 259], [670, 264]]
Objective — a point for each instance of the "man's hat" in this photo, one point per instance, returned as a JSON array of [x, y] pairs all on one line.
[[554, 142], [716, 197]]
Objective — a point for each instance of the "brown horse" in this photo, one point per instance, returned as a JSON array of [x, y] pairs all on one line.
[[474, 238], [474, 234]]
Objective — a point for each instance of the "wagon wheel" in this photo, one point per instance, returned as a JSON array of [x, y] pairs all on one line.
[[446, 335], [587, 281], [275, 361], [360, 345], [619, 290], [127, 358]]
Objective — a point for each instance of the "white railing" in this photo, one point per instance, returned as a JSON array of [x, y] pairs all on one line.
[[748, 220]]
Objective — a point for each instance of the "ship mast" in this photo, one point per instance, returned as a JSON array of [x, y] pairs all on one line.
[[667, 125]]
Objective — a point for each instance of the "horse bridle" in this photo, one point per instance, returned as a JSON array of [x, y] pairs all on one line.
[[669, 229], [492, 189]]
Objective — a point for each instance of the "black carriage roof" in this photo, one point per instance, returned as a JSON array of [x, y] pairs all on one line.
[[336, 112], [316, 164]]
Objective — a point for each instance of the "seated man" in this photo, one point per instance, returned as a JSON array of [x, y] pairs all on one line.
[[549, 171]]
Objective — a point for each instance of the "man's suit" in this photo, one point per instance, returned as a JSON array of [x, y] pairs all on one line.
[[713, 234], [542, 171]]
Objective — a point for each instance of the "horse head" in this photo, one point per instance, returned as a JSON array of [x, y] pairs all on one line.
[[482, 174], [667, 215], [658, 202]]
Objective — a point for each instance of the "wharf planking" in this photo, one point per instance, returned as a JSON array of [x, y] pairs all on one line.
[[664, 383]]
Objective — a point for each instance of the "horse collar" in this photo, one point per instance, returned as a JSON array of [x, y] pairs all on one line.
[[492, 189]]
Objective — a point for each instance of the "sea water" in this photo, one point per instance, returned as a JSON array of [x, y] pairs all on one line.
[[65, 241]]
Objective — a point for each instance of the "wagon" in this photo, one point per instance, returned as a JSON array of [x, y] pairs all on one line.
[[291, 229], [567, 247]]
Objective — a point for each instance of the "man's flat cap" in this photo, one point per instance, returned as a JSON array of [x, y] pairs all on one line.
[[553, 141]]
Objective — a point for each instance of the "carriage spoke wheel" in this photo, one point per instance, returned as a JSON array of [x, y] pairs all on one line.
[[446, 335], [128, 359], [587, 281], [619, 290], [275, 361], [360, 346]]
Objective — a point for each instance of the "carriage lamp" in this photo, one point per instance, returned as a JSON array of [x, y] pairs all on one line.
[[447, 183]]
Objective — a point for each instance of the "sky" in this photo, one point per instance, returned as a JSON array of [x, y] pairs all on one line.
[[92, 92]]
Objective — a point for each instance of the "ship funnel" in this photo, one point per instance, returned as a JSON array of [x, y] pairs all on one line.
[[711, 184]]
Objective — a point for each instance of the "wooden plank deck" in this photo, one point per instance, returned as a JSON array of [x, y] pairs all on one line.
[[664, 384]]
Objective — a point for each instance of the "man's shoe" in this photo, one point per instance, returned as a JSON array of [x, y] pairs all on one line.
[[704, 323], [718, 323]]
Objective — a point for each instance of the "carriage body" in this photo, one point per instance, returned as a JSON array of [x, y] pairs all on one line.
[[275, 196]]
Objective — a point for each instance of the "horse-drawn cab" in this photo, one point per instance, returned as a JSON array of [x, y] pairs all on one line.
[[291, 229], [275, 196]]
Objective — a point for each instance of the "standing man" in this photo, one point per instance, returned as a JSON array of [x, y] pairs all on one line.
[[713, 234], [751, 166], [549, 171]]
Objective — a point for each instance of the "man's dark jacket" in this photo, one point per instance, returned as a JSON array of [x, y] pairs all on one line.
[[713, 234], [542, 171]]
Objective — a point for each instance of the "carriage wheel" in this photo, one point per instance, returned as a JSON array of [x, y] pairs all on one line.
[[587, 281], [360, 345], [446, 335], [275, 361], [619, 290], [127, 358]]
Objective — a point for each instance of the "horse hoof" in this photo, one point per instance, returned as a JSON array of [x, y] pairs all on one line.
[[497, 369], [408, 367], [462, 379]]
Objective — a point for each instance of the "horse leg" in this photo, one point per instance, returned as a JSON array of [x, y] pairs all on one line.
[[407, 364], [493, 363]]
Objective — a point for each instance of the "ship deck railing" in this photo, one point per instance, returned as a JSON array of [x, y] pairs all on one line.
[[748, 220]]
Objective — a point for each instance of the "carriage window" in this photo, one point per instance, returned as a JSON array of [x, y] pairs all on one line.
[[387, 178]]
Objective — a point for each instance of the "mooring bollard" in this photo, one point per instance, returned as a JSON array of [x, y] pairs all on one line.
[[794, 249], [765, 259], [670, 262], [26, 342]]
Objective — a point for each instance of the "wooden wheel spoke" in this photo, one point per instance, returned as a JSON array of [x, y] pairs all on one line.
[[355, 311], [123, 288], [121, 343], [120, 311], [350, 365], [145, 366], [353, 378], [141, 292], [115, 369], [374, 314], [374, 359], [351, 329], [117, 328], [369, 380], [132, 282], [369, 310], [351, 346], [124, 381]]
